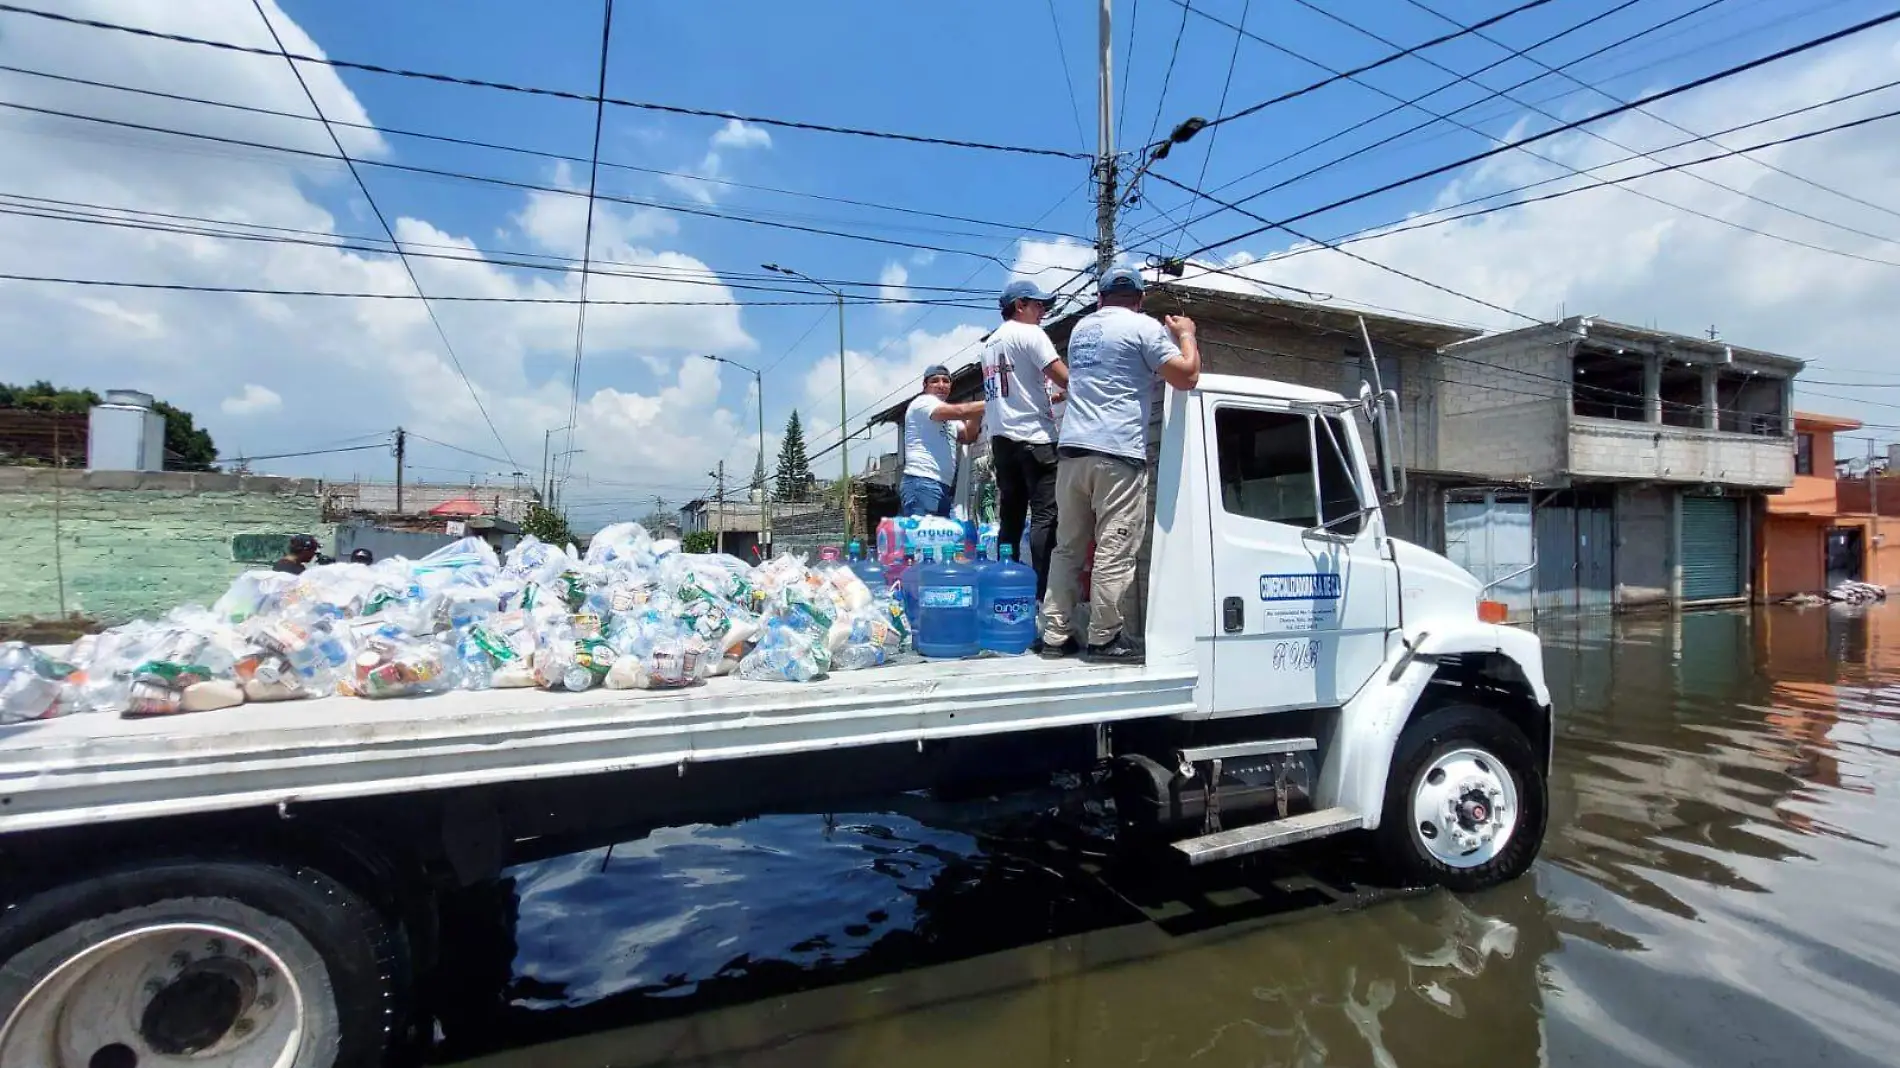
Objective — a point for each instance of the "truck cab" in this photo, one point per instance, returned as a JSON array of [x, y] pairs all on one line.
[[1335, 660]]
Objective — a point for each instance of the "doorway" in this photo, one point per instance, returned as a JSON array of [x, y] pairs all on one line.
[[1846, 553]]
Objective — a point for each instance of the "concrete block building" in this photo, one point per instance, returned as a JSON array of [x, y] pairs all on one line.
[[1641, 459]]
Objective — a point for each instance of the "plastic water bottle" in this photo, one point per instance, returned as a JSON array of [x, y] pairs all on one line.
[[870, 571], [946, 610], [1006, 605]]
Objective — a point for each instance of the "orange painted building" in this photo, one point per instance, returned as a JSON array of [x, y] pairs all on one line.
[[1807, 543]]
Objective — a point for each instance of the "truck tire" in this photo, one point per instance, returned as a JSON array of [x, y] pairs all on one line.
[[228, 964], [1465, 805]]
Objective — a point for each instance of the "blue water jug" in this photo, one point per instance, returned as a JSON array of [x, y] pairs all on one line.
[[1006, 605], [870, 571], [946, 609], [907, 592]]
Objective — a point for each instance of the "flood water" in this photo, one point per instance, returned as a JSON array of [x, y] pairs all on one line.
[[1719, 888]]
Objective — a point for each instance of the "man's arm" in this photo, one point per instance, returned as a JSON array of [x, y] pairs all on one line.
[[1058, 372], [972, 430], [944, 413], [1183, 371]]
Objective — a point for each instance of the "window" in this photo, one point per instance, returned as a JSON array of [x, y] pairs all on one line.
[[1804, 454], [1267, 469]]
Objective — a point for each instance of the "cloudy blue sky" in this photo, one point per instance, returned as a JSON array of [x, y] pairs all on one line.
[[279, 373]]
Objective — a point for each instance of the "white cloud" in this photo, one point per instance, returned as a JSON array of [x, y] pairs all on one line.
[[736, 134], [874, 381], [1609, 252], [253, 400], [893, 283], [324, 369]]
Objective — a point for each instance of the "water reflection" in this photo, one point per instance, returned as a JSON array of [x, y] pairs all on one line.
[[1717, 889]]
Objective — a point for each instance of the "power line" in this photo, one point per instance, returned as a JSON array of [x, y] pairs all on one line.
[[1672, 124], [407, 267], [1167, 76], [504, 182], [1253, 109], [532, 152], [186, 287], [1226, 84], [1603, 138], [559, 94], [306, 452], [1354, 255], [1664, 94], [1401, 106], [1375, 233], [587, 237], [671, 275], [460, 449], [1068, 79], [1128, 68]]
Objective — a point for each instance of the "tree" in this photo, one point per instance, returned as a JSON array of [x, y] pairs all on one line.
[[188, 446], [700, 541], [547, 524], [758, 476], [794, 468]]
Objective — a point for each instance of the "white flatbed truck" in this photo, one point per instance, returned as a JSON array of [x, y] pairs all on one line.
[[259, 886]]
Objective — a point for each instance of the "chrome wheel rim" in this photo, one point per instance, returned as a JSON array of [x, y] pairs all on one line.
[[175, 995], [1464, 808]]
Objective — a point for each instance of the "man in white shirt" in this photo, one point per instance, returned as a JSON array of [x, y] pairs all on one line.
[[933, 430], [1115, 355], [1019, 363]]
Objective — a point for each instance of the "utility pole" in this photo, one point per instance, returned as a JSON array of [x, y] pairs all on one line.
[[402, 440], [1105, 141], [844, 429], [719, 498], [1873, 505]]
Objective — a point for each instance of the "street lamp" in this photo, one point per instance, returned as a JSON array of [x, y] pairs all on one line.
[[844, 431], [547, 476], [759, 382]]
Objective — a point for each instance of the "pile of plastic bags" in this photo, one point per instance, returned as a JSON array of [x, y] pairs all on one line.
[[634, 613]]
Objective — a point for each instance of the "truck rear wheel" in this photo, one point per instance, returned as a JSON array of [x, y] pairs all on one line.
[[212, 964], [1465, 805]]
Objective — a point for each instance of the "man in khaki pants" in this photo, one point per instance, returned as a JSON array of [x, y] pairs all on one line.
[[1102, 477]]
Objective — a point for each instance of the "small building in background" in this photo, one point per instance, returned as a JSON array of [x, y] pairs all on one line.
[[1811, 540]]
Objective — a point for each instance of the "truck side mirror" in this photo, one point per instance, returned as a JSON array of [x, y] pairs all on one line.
[[1388, 444]]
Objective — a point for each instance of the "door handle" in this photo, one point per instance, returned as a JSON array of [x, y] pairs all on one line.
[[1233, 615]]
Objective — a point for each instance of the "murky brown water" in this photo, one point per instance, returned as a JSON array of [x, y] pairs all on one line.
[[1719, 888]]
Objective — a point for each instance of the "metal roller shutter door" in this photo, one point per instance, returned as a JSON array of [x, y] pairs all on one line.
[[1711, 548]]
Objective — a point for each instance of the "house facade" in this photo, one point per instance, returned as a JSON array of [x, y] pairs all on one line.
[[1640, 460], [1823, 530]]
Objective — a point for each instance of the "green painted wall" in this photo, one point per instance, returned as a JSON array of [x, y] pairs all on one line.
[[134, 545]]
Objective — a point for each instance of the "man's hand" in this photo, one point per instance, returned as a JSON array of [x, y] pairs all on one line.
[[1180, 326]]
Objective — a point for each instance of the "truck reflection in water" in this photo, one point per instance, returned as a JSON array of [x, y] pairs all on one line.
[[1719, 887]]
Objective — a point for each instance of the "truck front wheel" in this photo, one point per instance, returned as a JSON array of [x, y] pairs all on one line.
[[1465, 803], [223, 964]]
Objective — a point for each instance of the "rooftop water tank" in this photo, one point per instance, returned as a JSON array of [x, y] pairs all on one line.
[[126, 433]]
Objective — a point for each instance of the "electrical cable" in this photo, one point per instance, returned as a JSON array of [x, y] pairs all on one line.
[[1128, 69], [1672, 124], [449, 79], [291, 455], [587, 236], [534, 187], [524, 151], [1602, 137], [1068, 81], [1226, 84], [1167, 76], [1253, 109], [408, 267], [1697, 83]]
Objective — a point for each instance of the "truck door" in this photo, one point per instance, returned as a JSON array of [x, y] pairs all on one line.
[[1303, 612]]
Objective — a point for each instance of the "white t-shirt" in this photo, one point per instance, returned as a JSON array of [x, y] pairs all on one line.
[[930, 447], [1014, 385], [1114, 356]]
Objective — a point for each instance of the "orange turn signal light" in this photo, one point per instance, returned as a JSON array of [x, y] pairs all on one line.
[[1493, 612]]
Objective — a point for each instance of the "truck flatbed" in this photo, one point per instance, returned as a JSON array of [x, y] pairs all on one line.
[[93, 768]]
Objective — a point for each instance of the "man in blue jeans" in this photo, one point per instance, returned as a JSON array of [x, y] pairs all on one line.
[[933, 429]]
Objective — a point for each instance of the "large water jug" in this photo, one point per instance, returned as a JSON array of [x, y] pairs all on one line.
[[870, 571], [1006, 605], [907, 574], [946, 609]]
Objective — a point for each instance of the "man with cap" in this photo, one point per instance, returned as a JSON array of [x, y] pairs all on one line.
[[1019, 362], [303, 549], [933, 428], [1115, 354]]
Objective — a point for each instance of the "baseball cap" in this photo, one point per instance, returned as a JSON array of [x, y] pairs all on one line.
[[934, 370], [1122, 280], [1024, 289], [362, 556], [303, 541]]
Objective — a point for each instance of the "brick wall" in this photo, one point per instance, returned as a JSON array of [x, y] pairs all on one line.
[[133, 544], [1504, 405], [508, 502]]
